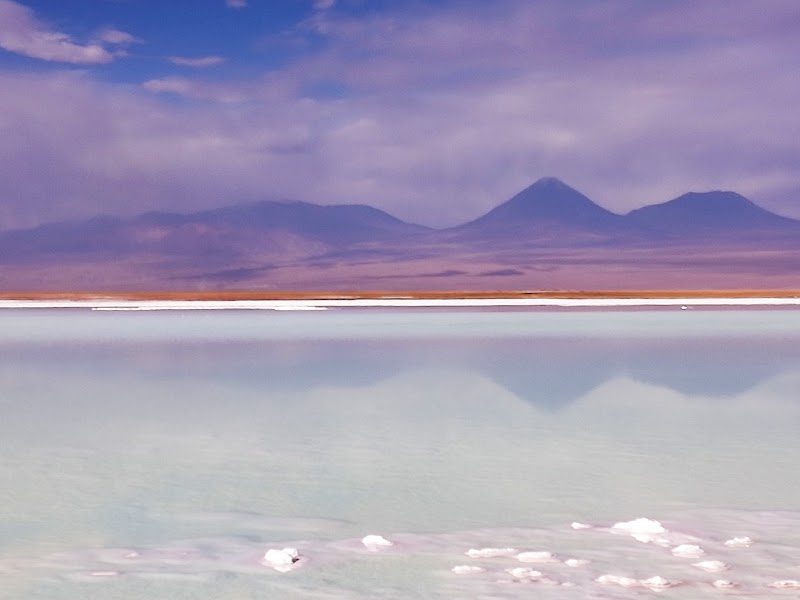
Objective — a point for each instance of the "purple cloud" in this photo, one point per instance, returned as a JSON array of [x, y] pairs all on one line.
[[199, 61], [22, 33], [435, 113], [117, 37]]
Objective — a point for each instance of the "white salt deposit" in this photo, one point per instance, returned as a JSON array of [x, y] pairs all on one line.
[[205, 558], [711, 566], [524, 573], [536, 557], [138, 305], [786, 584], [576, 562], [643, 530], [688, 551], [490, 552], [576, 525], [627, 582], [739, 542], [657, 583], [282, 560], [467, 569], [639, 526], [375, 542]]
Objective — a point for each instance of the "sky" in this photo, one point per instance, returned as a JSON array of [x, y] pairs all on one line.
[[435, 111]]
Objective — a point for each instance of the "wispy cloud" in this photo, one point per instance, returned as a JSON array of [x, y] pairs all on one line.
[[236, 3], [22, 33], [199, 61], [196, 89], [115, 36]]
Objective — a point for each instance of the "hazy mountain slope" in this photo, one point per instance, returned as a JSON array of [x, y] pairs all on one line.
[[709, 213], [291, 228], [548, 210]]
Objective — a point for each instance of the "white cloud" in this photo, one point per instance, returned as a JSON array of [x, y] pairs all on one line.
[[115, 36], [200, 61], [22, 33], [175, 85], [196, 89], [236, 3]]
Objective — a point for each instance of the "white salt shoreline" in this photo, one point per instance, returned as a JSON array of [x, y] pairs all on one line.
[[107, 304]]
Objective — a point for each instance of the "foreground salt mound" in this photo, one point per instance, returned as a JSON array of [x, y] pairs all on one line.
[[724, 584], [739, 542], [786, 584], [576, 562], [627, 582], [711, 566], [524, 573], [642, 530], [688, 551], [375, 542], [536, 557], [657, 583], [490, 552], [649, 531], [282, 560], [467, 569]]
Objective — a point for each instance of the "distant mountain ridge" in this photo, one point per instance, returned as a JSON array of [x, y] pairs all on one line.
[[548, 235], [707, 210]]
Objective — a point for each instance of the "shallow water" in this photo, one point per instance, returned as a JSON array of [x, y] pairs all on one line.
[[155, 455]]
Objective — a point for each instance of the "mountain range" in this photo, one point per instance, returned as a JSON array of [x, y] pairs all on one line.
[[548, 236]]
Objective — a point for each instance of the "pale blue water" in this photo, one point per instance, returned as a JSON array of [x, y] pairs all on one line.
[[159, 455]]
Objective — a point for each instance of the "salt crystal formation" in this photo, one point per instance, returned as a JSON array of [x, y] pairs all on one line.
[[576, 562], [739, 542], [640, 525], [489, 552], [626, 582], [657, 583], [711, 566], [374, 542], [281, 560], [786, 584], [524, 573], [688, 551], [467, 569], [642, 530], [536, 557]]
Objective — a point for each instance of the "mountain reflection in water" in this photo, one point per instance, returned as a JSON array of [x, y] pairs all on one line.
[[115, 437]]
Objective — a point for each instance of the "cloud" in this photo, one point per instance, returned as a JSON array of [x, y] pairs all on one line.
[[236, 3], [22, 33], [115, 36], [200, 61], [435, 114], [196, 89]]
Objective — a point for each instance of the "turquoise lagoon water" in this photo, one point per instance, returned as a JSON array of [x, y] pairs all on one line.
[[160, 455]]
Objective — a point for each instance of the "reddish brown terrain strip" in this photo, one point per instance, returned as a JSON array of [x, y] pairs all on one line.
[[431, 295]]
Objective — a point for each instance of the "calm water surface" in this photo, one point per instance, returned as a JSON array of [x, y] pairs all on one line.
[[159, 455]]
